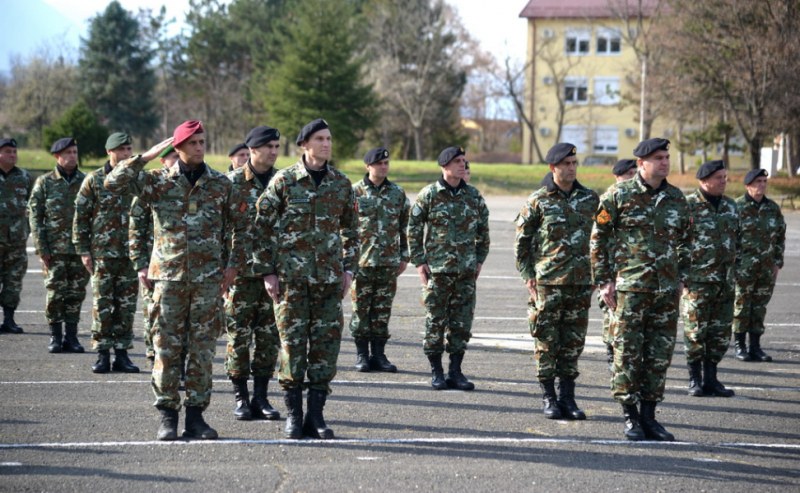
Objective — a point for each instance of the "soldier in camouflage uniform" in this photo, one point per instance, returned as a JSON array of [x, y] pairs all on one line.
[[248, 307], [195, 215], [448, 241], [100, 236], [382, 209], [15, 188], [308, 255], [51, 209], [552, 253], [708, 294], [639, 249], [239, 155], [759, 258]]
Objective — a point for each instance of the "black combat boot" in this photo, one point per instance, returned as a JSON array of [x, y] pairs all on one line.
[[122, 363], [378, 361], [712, 386], [103, 364], [71, 344], [293, 399], [240, 394], [455, 379], [652, 428], [9, 325], [362, 355], [260, 406], [566, 400], [549, 401], [182, 384], [168, 429], [756, 354], [610, 357], [314, 425], [696, 379], [196, 426], [740, 346], [56, 335], [437, 378], [633, 430]]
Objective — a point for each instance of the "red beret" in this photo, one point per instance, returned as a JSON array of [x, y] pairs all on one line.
[[185, 130]]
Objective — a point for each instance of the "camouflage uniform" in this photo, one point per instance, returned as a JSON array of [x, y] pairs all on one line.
[[100, 229], [309, 239], [51, 209], [15, 189], [140, 246], [191, 225]]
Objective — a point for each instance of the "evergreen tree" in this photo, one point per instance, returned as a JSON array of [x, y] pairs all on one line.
[[81, 124]]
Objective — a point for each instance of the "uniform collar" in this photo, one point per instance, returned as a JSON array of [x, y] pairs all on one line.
[[368, 182], [550, 183]]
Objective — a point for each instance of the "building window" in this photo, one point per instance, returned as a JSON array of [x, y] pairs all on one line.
[[609, 42], [576, 90], [606, 140], [577, 42], [606, 90], [575, 135]]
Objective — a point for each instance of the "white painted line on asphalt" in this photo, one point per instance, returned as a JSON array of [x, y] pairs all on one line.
[[10, 464]]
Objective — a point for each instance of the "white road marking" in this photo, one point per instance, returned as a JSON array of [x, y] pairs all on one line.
[[10, 464]]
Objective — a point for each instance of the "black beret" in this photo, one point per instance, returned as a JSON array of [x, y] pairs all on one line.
[[117, 139], [238, 147], [709, 168], [649, 146], [449, 154], [559, 151], [62, 144], [623, 166], [753, 174], [375, 155], [466, 164], [310, 129], [259, 136], [8, 142]]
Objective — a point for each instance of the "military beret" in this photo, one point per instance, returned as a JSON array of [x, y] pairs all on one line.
[[466, 164], [238, 147], [559, 151], [166, 152], [449, 154], [259, 136], [62, 144], [185, 130], [623, 166], [709, 168], [310, 129], [753, 174], [375, 155], [649, 146], [117, 139], [8, 142]]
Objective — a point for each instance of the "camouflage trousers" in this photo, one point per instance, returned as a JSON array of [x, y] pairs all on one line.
[[65, 281], [190, 311], [372, 293], [558, 320], [13, 264], [750, 304], [449, 301], [707, 311], [644, 339], [147, 302], [114, 290], [250, 317], [310, 321]]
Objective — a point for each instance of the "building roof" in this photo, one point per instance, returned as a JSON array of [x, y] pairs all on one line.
[[565, 9]]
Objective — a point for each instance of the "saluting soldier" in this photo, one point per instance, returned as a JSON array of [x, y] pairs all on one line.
[[759, 258], [639, 249], [382, 208], [238, 155], [51, 209], [448, 241], [308, 255], [100, 236], [15, 189]]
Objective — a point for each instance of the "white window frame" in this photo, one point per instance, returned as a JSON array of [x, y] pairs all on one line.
[[611, 37], [605, 140], [577, 85], [581, 37], [606, 91], [577, 135]]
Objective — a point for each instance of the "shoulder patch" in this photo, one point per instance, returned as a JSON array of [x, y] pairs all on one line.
[[603, 217], [416, 211]]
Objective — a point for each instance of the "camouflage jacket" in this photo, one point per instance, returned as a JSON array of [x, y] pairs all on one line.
[[305, 231], [100, 226], [640, 237], [51, 209], [713, 246], [140, 234], [449, 230], [15, 189], [191, 224], [249, 188], [553, 231], [762, 236], [382, 223]]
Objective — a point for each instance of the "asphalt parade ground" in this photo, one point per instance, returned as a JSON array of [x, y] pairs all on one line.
[[63, 428]]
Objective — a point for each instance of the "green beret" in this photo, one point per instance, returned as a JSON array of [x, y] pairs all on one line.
[[166, 152], [117, 139]]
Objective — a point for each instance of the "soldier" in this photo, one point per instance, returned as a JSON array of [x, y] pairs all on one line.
[[448, 241], [552, 254], [100, 236], [238, 156], [194, 213], [248, 308], [639, 250], [382, 209], [51, 209], [308, 257], [15, 189], [467, 172], [759, 258]]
